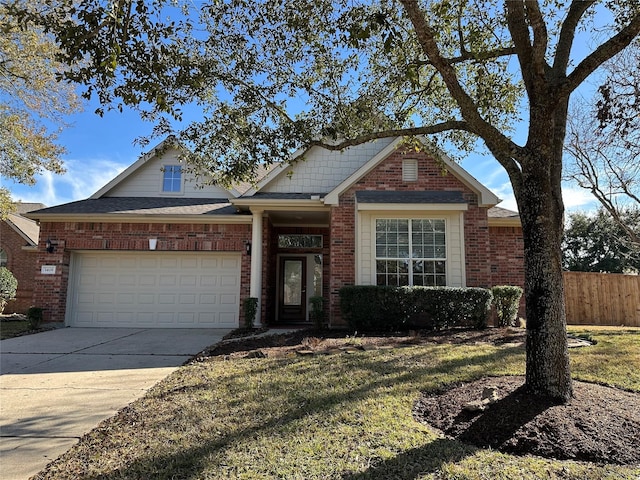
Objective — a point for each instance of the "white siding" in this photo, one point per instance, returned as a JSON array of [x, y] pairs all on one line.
[[365, 256], [146, 181], [323, 170]]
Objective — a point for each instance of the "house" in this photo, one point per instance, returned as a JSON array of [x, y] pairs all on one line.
[[153, 249], [19, 253]]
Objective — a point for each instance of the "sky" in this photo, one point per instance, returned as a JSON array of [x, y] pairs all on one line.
[[99, 148]]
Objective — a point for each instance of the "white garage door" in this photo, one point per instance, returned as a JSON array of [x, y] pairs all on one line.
[[154, 289]]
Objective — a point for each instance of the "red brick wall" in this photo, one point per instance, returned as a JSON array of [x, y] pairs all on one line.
[[507, 258], [388, 176], [22, 264], [51, 290]]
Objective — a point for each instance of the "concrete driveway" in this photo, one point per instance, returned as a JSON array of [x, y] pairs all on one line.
[[57, 385]]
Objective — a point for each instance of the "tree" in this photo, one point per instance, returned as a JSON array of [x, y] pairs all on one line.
[[598, 243], [603, 141], [271, 77], [32, 104]]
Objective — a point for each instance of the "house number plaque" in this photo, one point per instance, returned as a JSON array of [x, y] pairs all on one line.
[[48, 270]]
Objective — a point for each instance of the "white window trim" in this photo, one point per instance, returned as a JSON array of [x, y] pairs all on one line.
[[163, 171], [374, 257], [365, 263]]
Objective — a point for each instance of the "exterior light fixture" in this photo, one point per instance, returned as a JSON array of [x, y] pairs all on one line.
[[50, 246], [247, 248]]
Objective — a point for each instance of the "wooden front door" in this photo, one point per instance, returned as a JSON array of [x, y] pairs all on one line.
[[292, 290]]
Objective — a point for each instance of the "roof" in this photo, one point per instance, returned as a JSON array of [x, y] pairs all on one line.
[[25, 207], [141, 206], [499, 212], [501, 217], [425, 196], [26, 228]]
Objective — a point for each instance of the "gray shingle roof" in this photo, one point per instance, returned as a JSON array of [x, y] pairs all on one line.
[[499, 212], [142, 206], [284, 196], [426, 196]]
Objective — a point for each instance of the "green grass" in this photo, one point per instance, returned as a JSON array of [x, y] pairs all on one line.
[[13, 328], [326, 417]]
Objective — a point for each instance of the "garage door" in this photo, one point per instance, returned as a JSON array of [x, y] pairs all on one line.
[[154, 289]]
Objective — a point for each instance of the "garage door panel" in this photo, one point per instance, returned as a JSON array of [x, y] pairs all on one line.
[[155, 289]]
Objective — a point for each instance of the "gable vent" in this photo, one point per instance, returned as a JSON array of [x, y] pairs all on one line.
[[409, 170]]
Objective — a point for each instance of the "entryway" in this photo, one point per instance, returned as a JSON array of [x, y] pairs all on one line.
[[299, 279]]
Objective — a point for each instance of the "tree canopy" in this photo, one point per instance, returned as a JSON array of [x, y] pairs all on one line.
[[33, 103], [598, 242], [273, 75]]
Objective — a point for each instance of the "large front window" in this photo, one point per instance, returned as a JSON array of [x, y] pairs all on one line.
[[411, 252]]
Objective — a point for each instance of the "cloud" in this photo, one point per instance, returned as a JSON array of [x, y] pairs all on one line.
[[82, 179], [576, 198]]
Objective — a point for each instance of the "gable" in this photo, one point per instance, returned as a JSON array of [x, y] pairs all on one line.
[[321, 170], [386, 171], [145, 179]]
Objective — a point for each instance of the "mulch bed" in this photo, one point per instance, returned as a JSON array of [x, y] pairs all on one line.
[[601, 424]]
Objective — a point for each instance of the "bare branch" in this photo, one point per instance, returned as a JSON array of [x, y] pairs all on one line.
[[567, 34]]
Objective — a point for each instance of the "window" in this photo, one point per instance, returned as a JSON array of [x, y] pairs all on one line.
[[411, 252], [409, 170], [172, 179], [300, 241], [3, 258]]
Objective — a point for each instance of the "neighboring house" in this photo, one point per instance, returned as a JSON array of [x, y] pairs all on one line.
[[152, 249], [19, 252]]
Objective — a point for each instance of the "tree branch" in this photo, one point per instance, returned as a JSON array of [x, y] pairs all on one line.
[[567, 35], [540, 37], [604, 52], [401, 132], [474, 122]]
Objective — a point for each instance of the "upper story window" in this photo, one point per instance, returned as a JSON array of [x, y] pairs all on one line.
[[3, 258], [172, 179]]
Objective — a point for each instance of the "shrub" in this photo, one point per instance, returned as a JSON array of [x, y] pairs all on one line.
[[396, 308], [506, 299], [8, 287], [250, 310], [34, 317], [317, 311]]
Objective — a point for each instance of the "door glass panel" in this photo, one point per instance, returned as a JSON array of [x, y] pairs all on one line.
[[292, 282], [317, 275]]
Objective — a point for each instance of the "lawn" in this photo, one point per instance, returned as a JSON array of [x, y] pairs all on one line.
[[13, 328], [342, 416]]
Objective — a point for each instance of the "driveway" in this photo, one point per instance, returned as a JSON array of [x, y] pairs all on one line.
[[57, 385]]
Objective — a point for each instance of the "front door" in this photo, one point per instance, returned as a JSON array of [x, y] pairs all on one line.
[[293, 290]]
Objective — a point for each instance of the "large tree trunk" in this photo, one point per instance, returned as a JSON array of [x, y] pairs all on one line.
[[541, 213]]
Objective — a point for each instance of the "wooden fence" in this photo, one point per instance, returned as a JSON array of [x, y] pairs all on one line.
[[602, 299]]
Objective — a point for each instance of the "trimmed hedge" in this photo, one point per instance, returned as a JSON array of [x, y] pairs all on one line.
[[373, 308], [506, 299]]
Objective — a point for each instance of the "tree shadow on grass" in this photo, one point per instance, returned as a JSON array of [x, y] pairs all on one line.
[[412, 463], [310, 398]]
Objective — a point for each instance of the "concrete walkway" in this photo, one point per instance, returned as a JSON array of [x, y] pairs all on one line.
[[57, 385]]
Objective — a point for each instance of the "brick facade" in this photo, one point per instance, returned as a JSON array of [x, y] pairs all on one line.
[[388, 176], [51, 290], [507, 258], [22, 263]]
